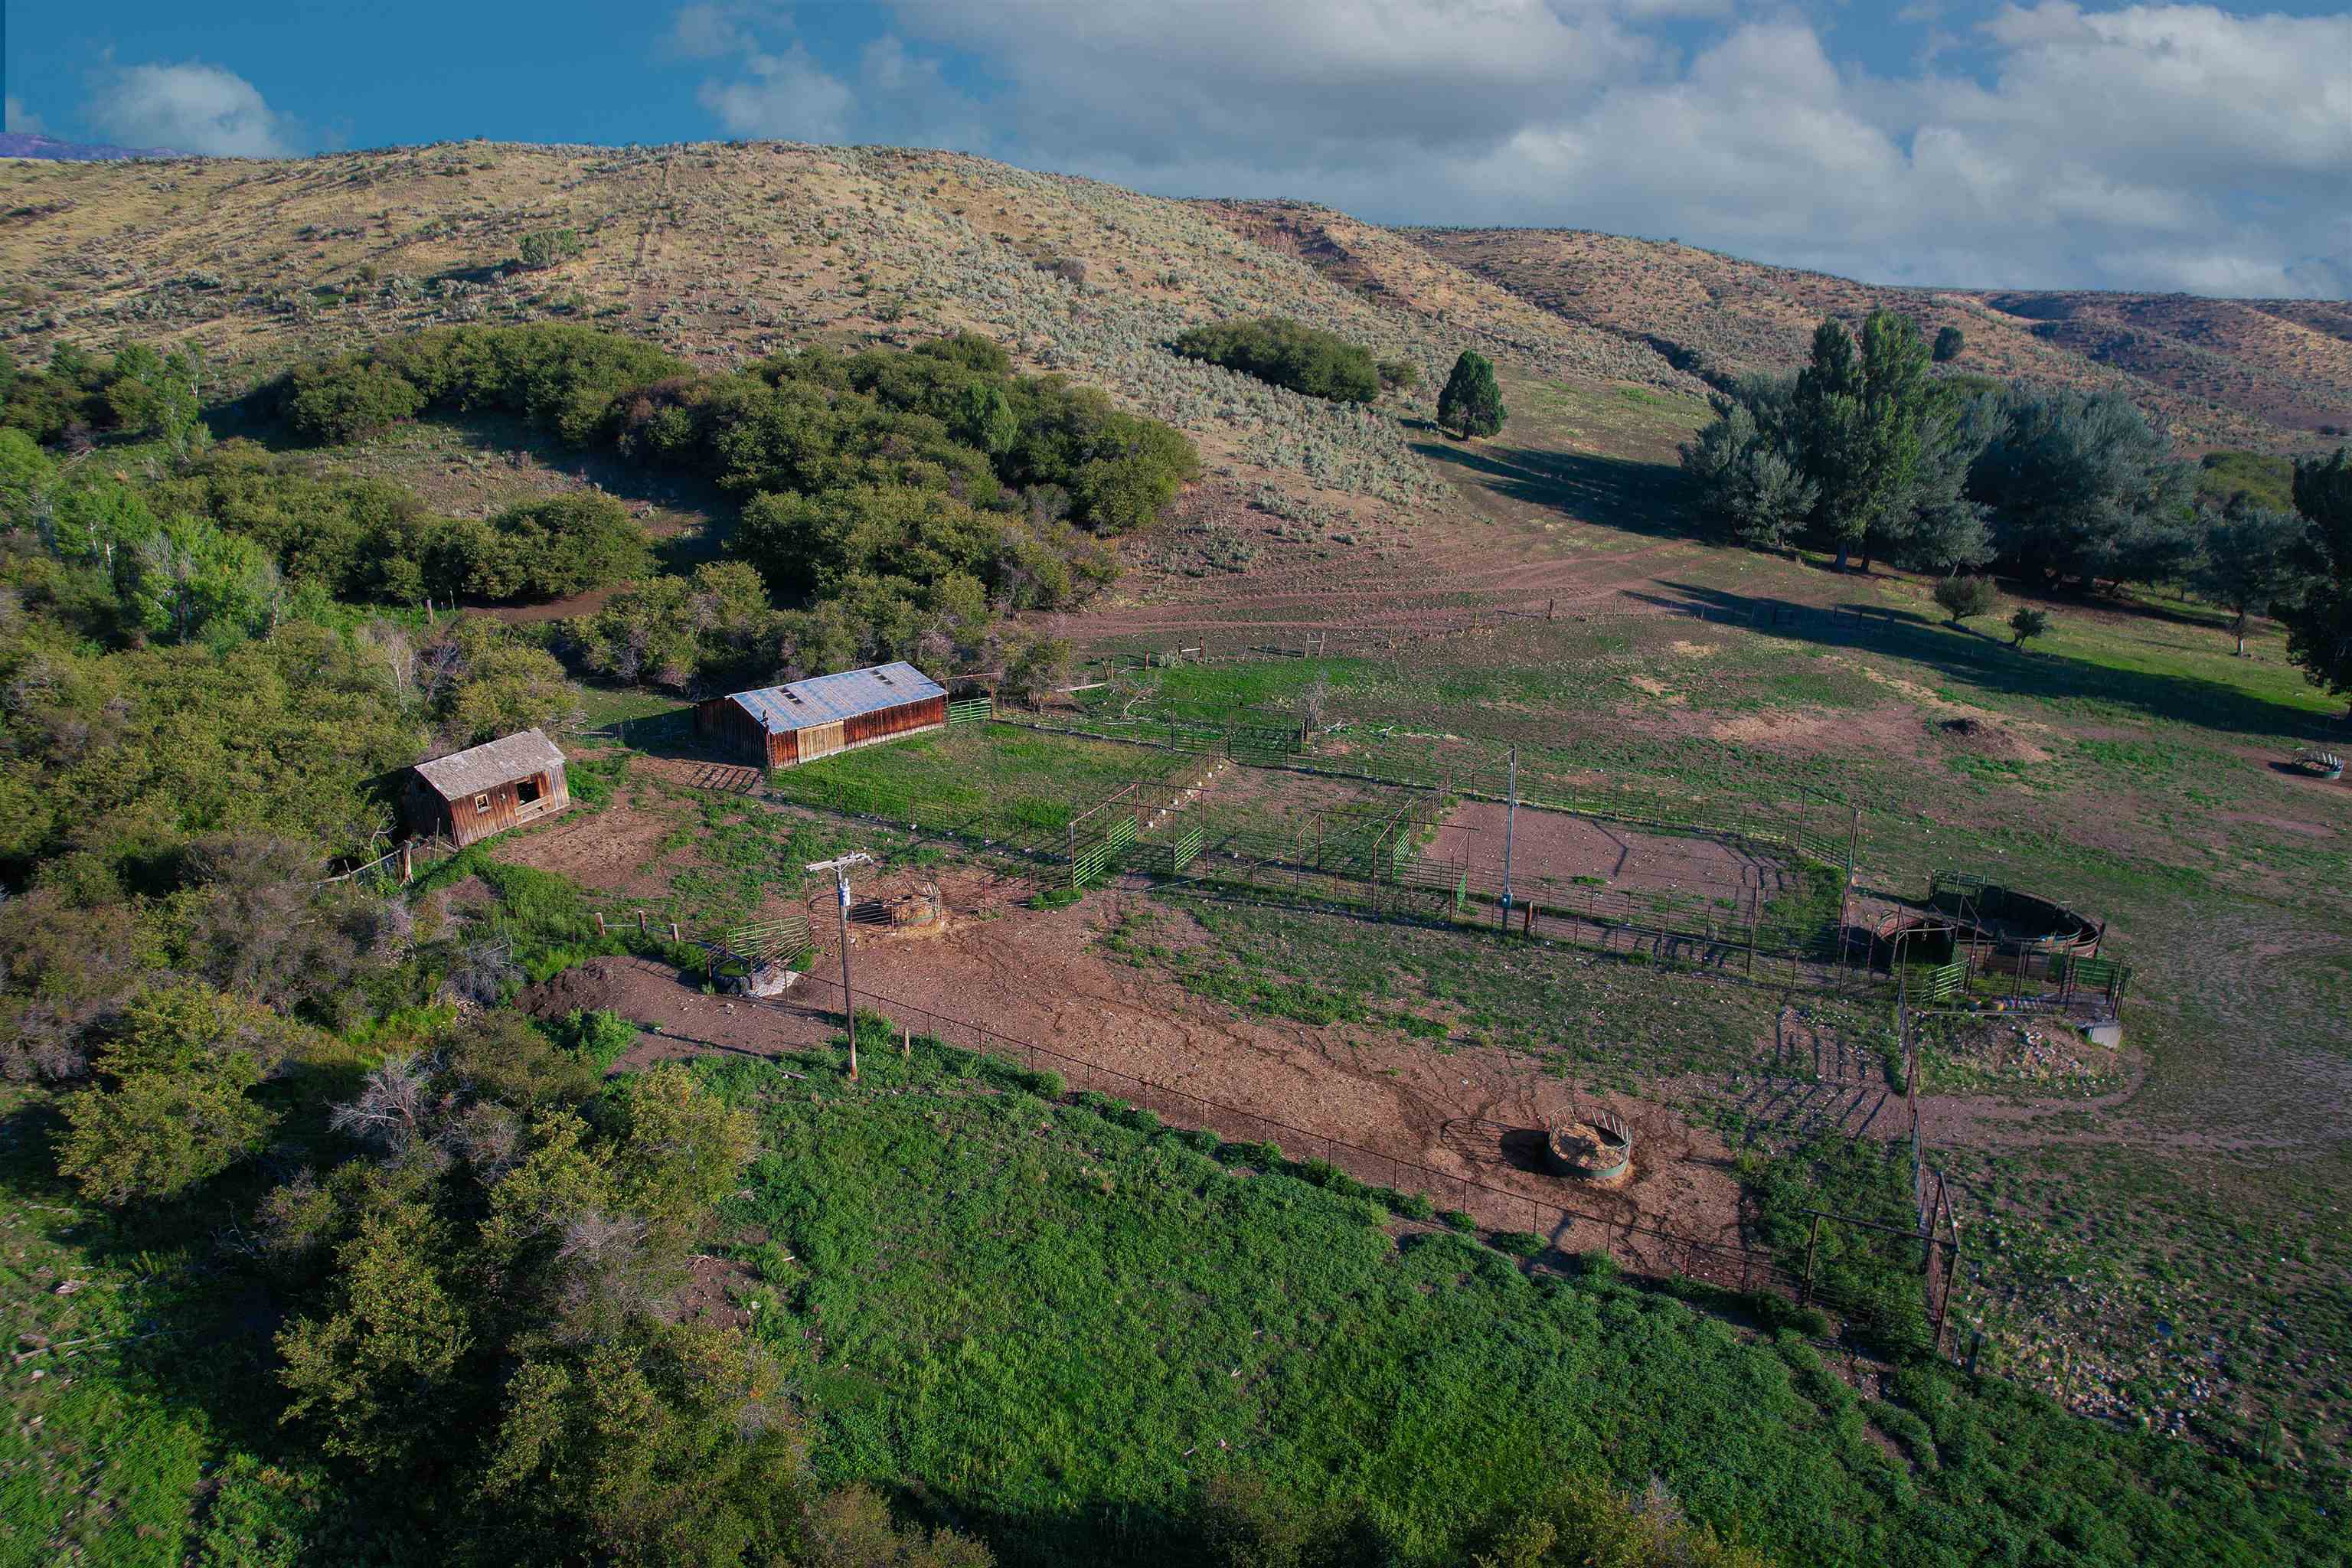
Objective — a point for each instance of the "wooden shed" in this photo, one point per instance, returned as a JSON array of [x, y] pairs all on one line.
[[784, 726], [486, 789]]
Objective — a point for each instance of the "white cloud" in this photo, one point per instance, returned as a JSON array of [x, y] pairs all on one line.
[[20, 119], [712, 29], [191, 108], [786, 95], [2144, 146]]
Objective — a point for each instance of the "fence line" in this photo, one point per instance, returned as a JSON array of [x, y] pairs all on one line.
[[1855, 619], [410, 852], [1666, 1254]]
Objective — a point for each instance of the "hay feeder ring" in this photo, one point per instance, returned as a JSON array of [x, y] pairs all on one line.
[[1591, 1144]]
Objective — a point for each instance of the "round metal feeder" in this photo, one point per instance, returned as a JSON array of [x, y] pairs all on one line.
[[1591, 1144]]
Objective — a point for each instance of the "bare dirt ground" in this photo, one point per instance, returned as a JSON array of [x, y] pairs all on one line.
[[1556, 846], [614, 851], [1035, 976]]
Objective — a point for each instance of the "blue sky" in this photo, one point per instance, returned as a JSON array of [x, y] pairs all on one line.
[[1961, 141]]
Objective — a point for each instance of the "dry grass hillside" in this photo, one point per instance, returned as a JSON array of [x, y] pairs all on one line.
[[2270, 375], [722, 253]]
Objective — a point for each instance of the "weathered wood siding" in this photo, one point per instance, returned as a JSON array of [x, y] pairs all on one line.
[[929, 714], [723, 724], [474, 817]]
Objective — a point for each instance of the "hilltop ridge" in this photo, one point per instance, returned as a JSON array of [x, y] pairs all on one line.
[[727, 252]]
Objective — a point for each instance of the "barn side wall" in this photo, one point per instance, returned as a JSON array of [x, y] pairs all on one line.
[[474, 817], [722, 723], [873, 728], [929, 714]]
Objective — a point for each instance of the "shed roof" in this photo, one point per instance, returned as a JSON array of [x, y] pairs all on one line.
[[825, 699], [493, 763]]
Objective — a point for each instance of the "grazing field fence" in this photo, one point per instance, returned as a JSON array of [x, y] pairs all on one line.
[[1111, 656], [1564, 1221]]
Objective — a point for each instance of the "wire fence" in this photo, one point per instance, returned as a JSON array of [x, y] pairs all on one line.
[[1114, 654], [1563, 1222]]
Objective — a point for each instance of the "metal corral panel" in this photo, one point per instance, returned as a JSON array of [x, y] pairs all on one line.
[[833, 699]]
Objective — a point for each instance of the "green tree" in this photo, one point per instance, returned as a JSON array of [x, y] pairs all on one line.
[[547, 248], [188, 576], [2080, 485], [1963, 598], [988, 420], [2027, 624], [2319, 626], [173, 1108], [715, 630], [1035, 665], [27, 474], [377, 1375], [1288, 353], [553, 548], [1864, 423], [478, 682], [678, 1148], [334, 401], [1950, 342], [1472, 401], [155, 1134], [656, 1445], [2253, 562], [1745, 481]]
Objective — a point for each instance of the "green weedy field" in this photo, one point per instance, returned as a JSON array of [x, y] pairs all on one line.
[[1061, 1321]]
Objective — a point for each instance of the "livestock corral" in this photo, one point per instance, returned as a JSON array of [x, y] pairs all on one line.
[[999, 825]]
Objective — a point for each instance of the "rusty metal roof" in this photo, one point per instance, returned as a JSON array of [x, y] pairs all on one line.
[[827, 698], [494, 763]]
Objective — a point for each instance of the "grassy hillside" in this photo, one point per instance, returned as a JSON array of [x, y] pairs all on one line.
[[718, 253], [2265, 374]]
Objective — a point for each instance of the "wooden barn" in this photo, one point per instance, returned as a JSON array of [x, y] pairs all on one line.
[[486, 789], [784, 726]]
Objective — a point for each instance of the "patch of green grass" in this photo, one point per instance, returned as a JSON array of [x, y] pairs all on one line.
[[994, 781], [1869, 1276], [1059, 1325], [1610, 1019]]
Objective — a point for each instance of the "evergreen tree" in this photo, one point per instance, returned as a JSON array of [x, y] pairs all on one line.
[[1746, 480], [2253, 562], [1472, 403], [1950, 342], [2319, 628], [2080, 485]]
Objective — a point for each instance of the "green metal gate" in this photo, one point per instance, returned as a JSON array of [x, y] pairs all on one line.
[[1169, 856], [1262, 745], [1940, 983], [1094, 860], [971, 711]]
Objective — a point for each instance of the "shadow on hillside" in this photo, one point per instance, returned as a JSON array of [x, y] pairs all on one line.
[[1618, 492], [1990, 664]]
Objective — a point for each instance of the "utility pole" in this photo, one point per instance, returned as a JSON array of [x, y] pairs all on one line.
[[840, 870], [1511, 821]]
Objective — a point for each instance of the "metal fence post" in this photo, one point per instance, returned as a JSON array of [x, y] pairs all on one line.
[[1812, 1241]]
